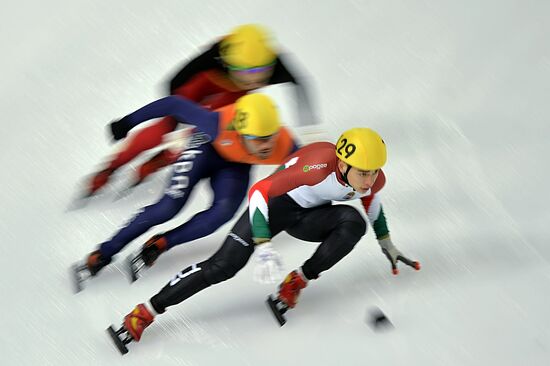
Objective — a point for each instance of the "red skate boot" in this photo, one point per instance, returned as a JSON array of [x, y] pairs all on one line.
[[133, 326], [136, 322], [288, 294], [99, 180], [96, 262]]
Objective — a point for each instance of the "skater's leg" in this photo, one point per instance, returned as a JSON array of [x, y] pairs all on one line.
[[229, 185], [145, 219], [224, 264], [143, 140], [189, 169], [134, 144], [160, 160], [338, 227]]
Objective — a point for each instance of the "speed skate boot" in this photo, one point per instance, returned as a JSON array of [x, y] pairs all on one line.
[[99, 180], [96, 261], [91, 266], [147, 256], [136, 322], [132, 327], [152, 249], [289, 290]]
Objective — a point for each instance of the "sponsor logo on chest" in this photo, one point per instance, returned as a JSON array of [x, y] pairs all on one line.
[[308, 168]]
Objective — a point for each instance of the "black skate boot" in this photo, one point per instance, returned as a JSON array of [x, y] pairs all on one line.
[[147, 256]]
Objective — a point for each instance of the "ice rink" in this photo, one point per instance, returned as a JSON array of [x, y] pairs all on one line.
[[458, 89]]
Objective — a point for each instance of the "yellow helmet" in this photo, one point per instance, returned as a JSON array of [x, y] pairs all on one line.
[[362, 148], [256, 115], [247, 46]]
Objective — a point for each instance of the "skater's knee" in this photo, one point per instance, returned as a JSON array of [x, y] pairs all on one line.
[[351, 220]]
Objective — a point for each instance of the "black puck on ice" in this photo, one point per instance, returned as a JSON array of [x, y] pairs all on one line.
[[378, 320]]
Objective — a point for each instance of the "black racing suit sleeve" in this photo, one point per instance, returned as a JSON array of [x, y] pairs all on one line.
[[210, 59], [283, 74]]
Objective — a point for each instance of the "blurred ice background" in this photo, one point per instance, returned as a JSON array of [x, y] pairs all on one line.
[[458, 89]]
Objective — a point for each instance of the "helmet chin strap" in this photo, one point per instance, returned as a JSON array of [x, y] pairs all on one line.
[[345, 176]]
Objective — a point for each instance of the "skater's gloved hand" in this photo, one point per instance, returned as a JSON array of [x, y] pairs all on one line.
[[268, 264], [120, 128], [394, 255]]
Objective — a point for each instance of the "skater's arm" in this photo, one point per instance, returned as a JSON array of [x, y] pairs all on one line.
[[377, 218], [375, 214], [373, 208], [282, 74], [206, 61], [181, 109]]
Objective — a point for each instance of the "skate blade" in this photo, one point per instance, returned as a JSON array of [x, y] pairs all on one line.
[[132, 268], [77, 280], [117, 341], [126, 191], [79, 202], [276, 313]]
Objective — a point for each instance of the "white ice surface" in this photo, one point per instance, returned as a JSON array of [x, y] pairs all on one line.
[[458, 89]]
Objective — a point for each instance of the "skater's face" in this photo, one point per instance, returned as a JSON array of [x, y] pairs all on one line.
[[261, 147], [360, 180], [249, 79]]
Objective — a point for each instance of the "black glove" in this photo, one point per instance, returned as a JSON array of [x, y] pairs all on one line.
[[120, 128]]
